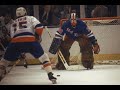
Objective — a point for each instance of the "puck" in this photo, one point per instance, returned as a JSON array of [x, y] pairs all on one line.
[[58, 75]]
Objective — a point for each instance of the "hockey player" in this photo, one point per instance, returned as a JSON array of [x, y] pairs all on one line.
[[23, 31], [75, 30], [5, 25]]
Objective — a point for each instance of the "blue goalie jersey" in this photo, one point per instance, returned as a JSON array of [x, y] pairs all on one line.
[[75, 32]]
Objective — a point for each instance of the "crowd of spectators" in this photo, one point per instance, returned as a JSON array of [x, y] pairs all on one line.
[[51, 15]]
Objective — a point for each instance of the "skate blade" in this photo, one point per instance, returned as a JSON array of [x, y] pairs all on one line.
[[54, 81]]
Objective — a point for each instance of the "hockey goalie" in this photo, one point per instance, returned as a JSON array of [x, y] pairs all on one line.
[[75, 30]]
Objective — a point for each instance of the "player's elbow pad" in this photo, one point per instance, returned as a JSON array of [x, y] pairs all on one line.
[[39, 29], [55, 45]]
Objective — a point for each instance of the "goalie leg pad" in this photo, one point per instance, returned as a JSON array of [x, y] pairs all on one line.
[[64, 48], [66, 55], [87, 61], [55, 45], [87, 58]]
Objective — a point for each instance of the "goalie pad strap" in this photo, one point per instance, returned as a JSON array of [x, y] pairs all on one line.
[[55, 45]]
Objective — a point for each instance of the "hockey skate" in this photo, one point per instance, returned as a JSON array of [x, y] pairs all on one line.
[[2, 72], [52, 78], [88, 64], [60, 66]]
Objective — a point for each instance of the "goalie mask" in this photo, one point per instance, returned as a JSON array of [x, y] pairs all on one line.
[[21, 11], [73, 19]]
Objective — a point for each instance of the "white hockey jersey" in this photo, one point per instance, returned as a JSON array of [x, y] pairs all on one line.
[[23, 29]]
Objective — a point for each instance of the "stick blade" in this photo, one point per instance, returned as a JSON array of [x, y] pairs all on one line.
[[73, 67]]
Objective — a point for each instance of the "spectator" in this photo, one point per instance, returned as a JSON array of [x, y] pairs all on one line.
[[99, 11], [46, 15], [56, 15], [66, 12], [6, 22]]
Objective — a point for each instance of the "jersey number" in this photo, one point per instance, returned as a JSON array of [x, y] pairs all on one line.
[[21, 25]]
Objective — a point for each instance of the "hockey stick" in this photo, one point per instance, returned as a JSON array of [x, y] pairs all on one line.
[[76, 67]]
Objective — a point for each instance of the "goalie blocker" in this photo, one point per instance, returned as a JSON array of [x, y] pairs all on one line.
[[55, 45]]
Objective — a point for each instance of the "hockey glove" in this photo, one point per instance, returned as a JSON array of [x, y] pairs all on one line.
[[96, 48]]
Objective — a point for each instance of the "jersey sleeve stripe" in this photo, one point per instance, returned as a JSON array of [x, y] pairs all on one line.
[[23, 34], [23, 39]]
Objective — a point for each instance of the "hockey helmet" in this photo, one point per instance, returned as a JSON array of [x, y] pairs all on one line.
[[21, 11]]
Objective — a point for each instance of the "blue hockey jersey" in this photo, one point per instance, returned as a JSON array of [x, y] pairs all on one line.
[[75, 32]]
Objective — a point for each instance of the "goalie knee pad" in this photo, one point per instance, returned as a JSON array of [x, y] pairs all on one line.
[[55, 45], [45, 60]]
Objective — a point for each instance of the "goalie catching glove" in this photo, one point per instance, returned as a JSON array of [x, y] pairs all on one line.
[[96, 48]]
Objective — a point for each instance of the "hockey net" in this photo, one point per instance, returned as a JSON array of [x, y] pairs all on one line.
[[107, 32]]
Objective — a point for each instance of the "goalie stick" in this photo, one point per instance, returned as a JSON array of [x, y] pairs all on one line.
[[73, 67]]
